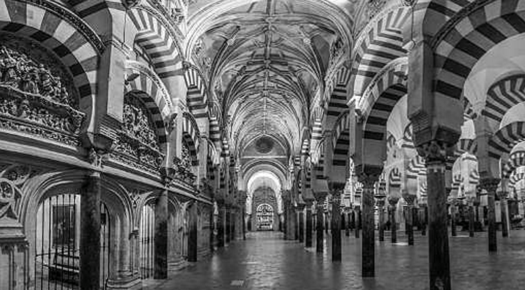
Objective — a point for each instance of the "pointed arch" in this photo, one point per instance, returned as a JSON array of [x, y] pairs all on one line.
[[380, 43], [191, 135]]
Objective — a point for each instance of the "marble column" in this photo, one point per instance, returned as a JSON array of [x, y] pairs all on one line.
[[453, 211], [409, 225], [392, 201], [357, 219], [381, 208], [439, 260], [161, 236], [319, 226], [221, 217], [227, 224], [368, 222], [504, 214], [471, 216], [309, 226], [347, 224], [192, 234], [301, 224], [337, 192], [490, 185], [296, 224], [90, 233]]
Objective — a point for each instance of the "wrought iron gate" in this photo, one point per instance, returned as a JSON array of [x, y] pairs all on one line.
[[57, 259], [147, 241]]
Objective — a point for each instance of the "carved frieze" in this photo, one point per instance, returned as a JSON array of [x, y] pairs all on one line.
[[34, 98], [137, 144]]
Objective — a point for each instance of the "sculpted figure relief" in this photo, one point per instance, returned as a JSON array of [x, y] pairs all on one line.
[[20, 72]]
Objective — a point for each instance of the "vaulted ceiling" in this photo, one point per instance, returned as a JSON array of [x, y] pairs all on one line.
[[267, 62]]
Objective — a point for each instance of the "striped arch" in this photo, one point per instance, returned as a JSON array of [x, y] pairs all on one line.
[[467, 145], [337, 103], [394, 178], [190, 133], [516, 159], [305, 147], [380, 43], [197, 98], [459, 47], [408, 141], [416, 167], [378, 101], [505, 139], [225, 147], [515, 178], [503, 95], [457, 180], [159, 41], [341, 140], [468, 111], [317, 127], [75, 44], [473, 178], [150, 84], [318, 159], [391, 143]]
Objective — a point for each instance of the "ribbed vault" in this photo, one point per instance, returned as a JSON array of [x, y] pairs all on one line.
[[266, 62]]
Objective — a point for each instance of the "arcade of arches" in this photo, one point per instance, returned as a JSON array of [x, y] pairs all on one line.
[[140, 136]]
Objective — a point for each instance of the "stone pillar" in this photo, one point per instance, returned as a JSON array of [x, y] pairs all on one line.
[[301, 224], [471, 216], [392, 201], [435, 155], [490, 185], [453, 211], [368, 221], [309, 226], [347, 224], [90, 233], [337, 192], [296, 224], [161, 236], [319, 226], [381, 208], [409, 226], [221, 220], [357, 219], [227, 222], [192, 234], [504, 214]]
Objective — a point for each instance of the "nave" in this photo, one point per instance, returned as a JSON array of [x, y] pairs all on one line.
[[265, 261]]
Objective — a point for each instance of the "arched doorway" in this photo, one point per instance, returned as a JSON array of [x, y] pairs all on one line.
[[147, 240], [57, 243], [265, 217]]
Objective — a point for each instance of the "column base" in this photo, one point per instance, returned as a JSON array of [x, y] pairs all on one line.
[[132, 282]]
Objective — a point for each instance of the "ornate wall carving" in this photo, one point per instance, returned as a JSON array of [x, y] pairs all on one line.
[[34, 96], [137, 144], [183, 168]]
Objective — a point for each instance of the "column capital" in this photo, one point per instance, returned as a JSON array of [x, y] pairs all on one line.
[[490, 184], [409, 198], [368, 179], [336, 187], [392, 200], [434, 151]]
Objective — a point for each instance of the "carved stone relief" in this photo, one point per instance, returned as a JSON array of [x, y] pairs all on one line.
[[183, 167], [11, 180], [34, 97], [137, 144]]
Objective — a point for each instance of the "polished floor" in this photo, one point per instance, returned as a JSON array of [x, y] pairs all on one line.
[[265, 261]]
